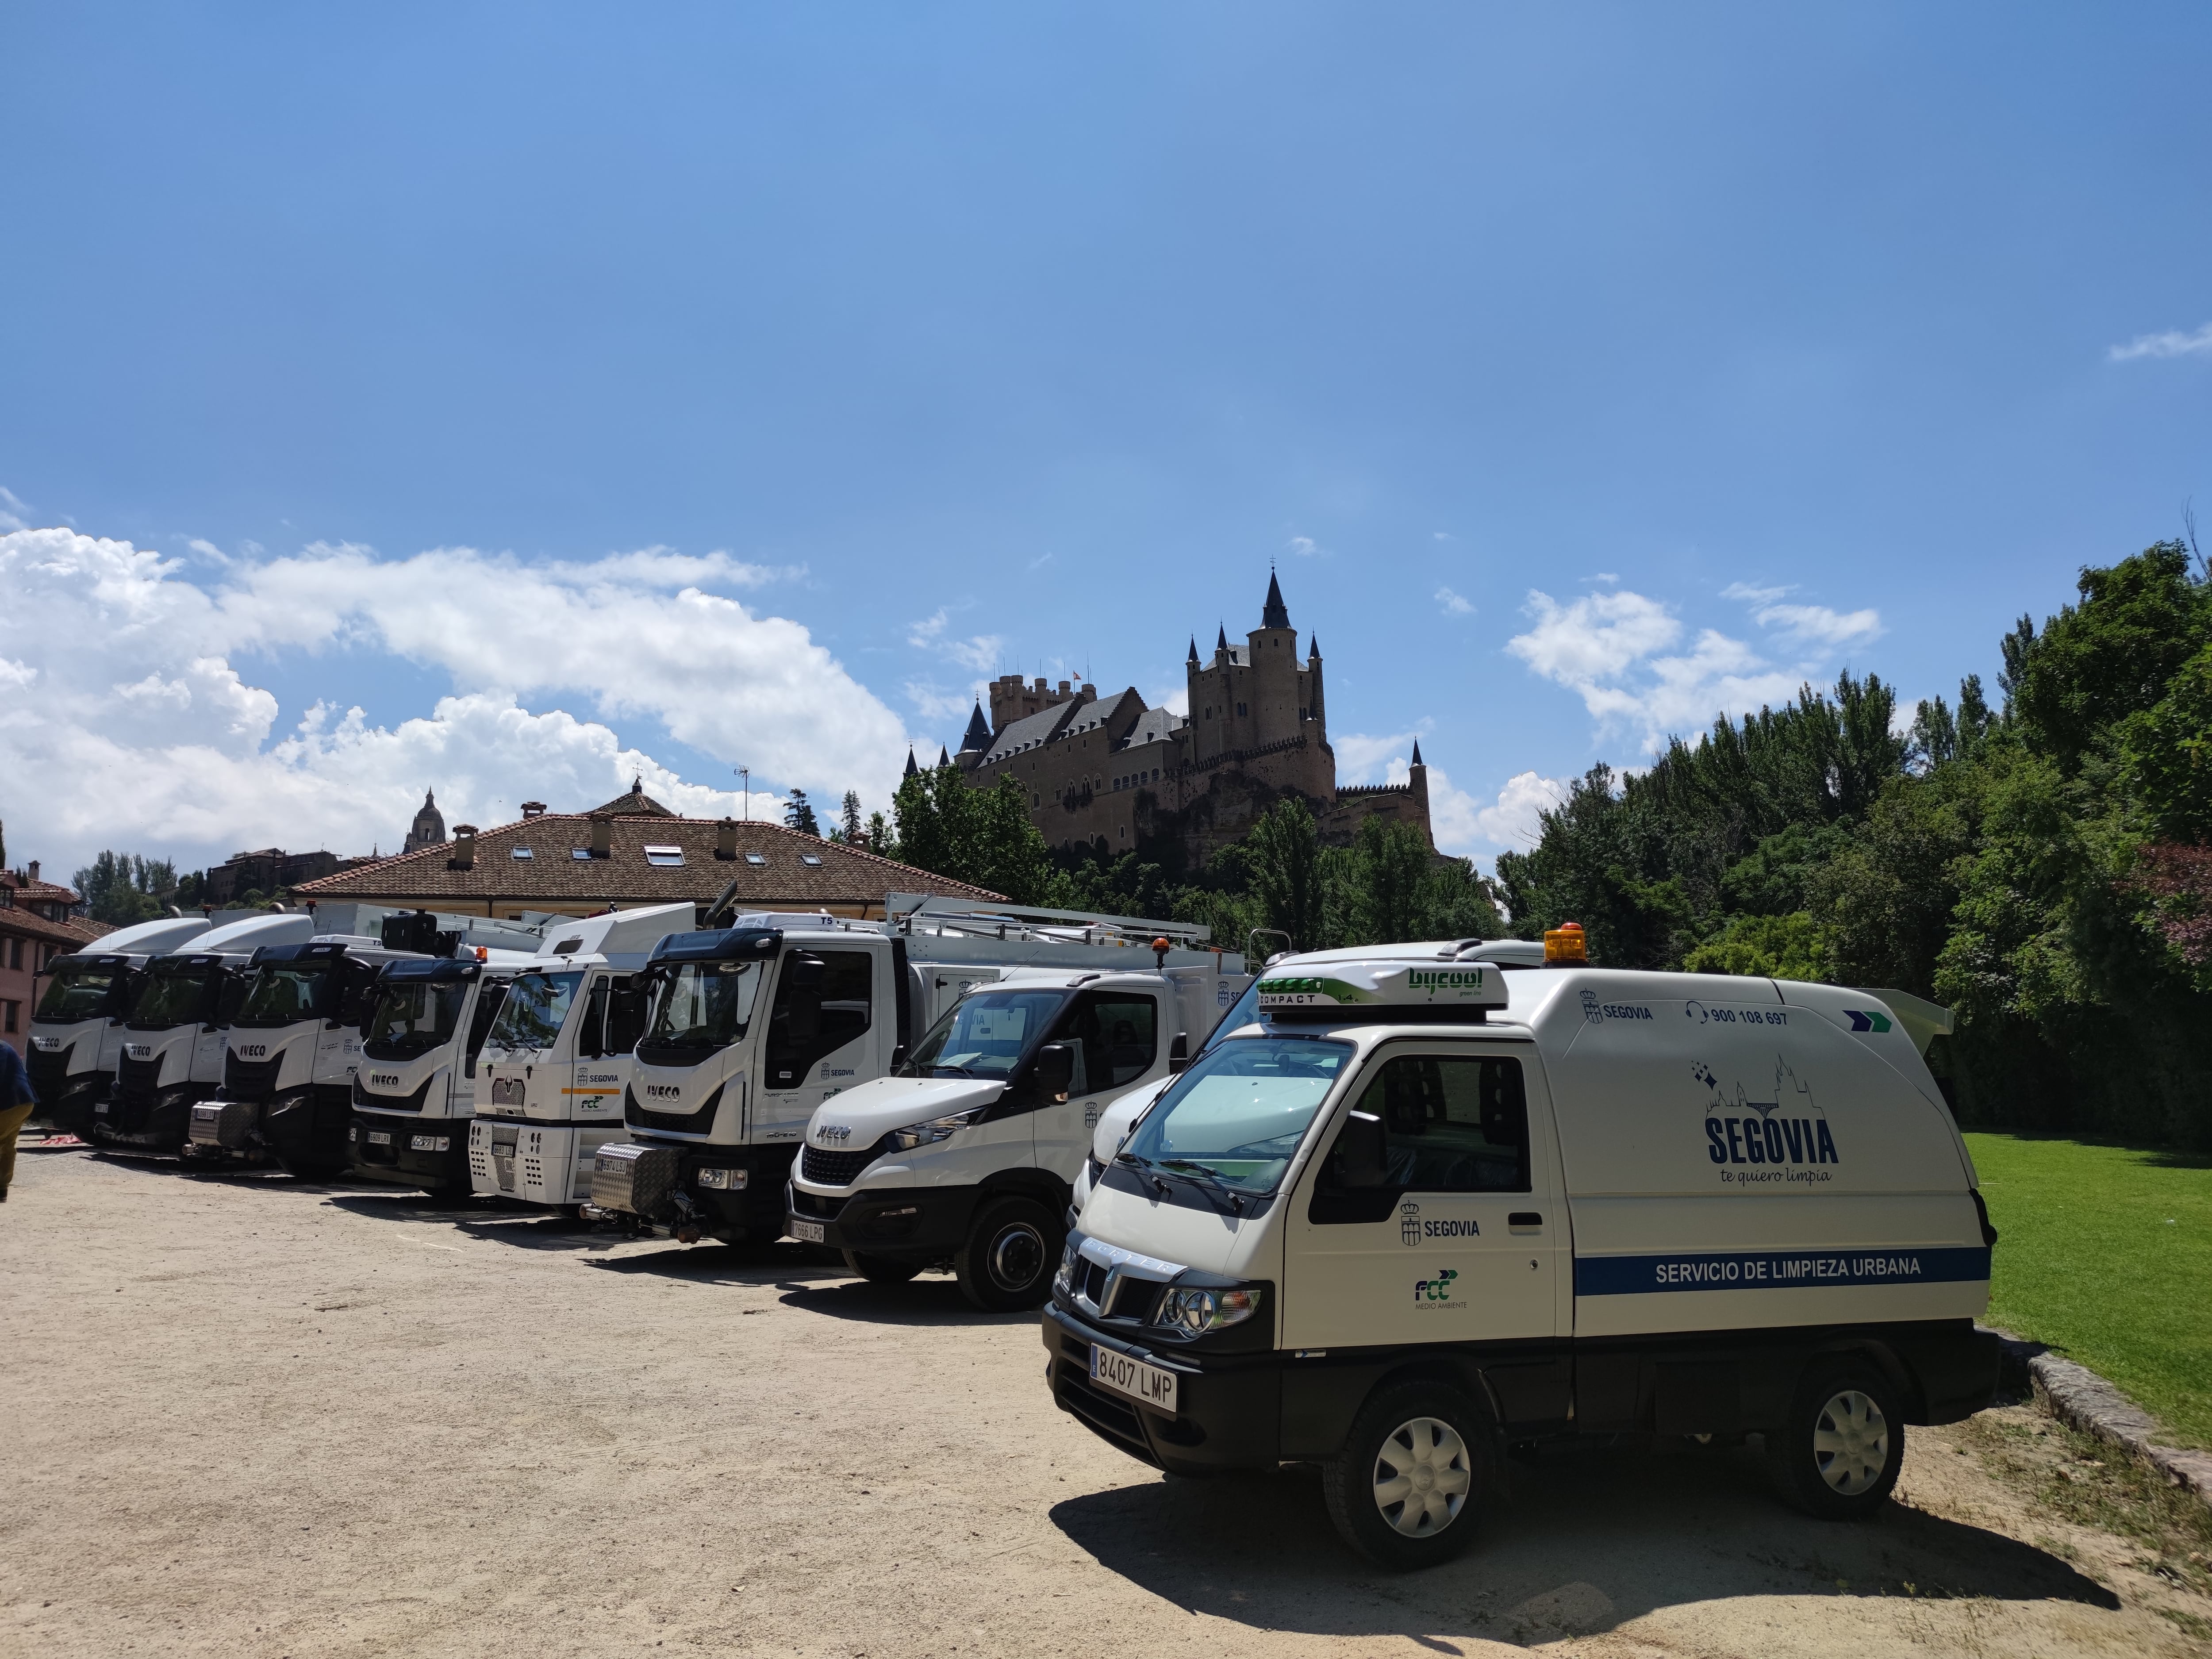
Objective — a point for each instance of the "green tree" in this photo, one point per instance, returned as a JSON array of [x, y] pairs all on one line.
[[1792, 946], [122, 888], [848, 829], [982, 836], [1285, 874], [880, 839], [2166, 752], [798, 814]]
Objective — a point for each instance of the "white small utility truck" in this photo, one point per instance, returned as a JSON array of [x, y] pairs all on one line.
[[548, 1083], [173, 1046], [966, 1154], [788, 1021], [1418, 1214], [295, 1043], [76, 1029]]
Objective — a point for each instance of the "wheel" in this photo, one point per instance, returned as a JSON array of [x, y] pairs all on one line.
[[1838, 1453], [1008, 1260], [1405, 1490], [880, 1269]]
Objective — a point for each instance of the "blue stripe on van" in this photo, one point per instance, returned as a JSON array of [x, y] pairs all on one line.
[[1779, 1270]]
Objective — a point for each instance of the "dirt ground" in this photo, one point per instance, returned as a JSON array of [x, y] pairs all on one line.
[[252, 1416]]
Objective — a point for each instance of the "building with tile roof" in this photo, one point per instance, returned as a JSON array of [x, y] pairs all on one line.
[[630, 851], [38, 922], [1112, 774]]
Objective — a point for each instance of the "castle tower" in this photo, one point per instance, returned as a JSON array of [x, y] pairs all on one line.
[[1272, 688], [1316, 701], [975, 743], [429, 829]]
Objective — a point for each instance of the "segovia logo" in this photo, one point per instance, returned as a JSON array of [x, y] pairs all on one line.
[[838, 1132], [1591, 1011], [1437, 1289], [1409, 1223], [1788, 1130]]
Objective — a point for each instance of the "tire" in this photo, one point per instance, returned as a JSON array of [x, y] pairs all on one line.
[[880, 1269], [1010, 1256], [1414, 1443], [1838, 1453]]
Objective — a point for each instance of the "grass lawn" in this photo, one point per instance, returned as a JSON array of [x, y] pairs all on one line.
[[2106, 1255]]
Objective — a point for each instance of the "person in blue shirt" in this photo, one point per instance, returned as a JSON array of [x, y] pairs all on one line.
[[16, 1102]]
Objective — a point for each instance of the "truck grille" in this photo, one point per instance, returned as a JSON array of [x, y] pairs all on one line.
[[697, 1122], [49, 1071], [137, 1079], [837, 1169], [250, 1079]]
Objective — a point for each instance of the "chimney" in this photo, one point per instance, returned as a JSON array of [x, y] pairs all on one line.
[[464, 848], [533, 809], [32, 867], [603, 843], [725, 840]]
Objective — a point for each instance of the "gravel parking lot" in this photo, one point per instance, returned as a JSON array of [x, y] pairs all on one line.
[[253, 1417]]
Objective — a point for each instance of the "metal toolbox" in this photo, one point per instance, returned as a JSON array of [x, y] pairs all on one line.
[[223, 1123], [638, 1179]]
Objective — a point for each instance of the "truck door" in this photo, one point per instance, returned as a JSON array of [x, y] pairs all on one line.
[[1461, 1238], [1116, 1038], [821, 1037]]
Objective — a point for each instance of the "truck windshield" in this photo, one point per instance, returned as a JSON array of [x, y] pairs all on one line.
[[1239, 1112], [985, 1034], [535, 1008], [170, 997], [230, 997], [284, 993], [703, 1004], [77, 992], [414, 1017]]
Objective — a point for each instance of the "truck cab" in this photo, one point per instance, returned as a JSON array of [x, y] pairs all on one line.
[[414, 1092], [968, 1155], [76, 1029], [550, 1077], [290, 1053], [172, 1045]]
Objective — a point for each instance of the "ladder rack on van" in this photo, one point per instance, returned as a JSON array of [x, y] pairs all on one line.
[[1034, 922]]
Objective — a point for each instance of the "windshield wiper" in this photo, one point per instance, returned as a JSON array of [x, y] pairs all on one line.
[[940, 1069], [1199, 1175]]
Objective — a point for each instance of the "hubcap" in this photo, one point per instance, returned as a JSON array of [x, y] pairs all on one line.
[[1016, 1257], [1422, 1477], [1850, 1442]]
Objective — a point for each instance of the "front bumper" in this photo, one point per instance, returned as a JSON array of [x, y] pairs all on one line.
[[403, 1158], [661, 1189], [902, 1223], [156, 1123], [1228, 1408]]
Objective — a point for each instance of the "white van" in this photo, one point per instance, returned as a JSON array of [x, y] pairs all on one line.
[[1418, 1214]]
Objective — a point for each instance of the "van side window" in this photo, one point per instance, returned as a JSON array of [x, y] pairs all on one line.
[[1451, 1124], [1114, 1034], [588, 1045], [811, 1021], [488, 999]]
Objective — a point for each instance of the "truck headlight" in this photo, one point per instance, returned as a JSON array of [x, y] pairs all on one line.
[[1196, 1311], [724, 1181], [1064, 1280], [921, 1134], [430, 1144]]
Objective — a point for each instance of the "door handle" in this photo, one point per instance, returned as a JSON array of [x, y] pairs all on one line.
[[1524, 1219]]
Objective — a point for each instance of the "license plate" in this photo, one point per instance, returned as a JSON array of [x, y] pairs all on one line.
[[379, 1137], [99, 1106], [806, 1233], [1152, 1385]]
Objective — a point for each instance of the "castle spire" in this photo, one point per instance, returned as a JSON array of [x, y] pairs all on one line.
[[1274, 613], [943, 759], [911, 769], [1417, 751], [1221, 637], [1193, 651], [978, 736]]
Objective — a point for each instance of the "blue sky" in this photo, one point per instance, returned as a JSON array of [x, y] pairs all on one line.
[[926, 342]]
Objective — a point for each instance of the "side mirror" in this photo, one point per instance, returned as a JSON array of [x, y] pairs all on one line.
[[1055, 1070], [803, 973], [1363, 1153], [1179, 1052], [898, 1057]]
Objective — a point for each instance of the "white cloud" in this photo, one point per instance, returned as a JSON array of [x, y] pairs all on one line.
[[979, 654], [936, 704], [1813, 624], [2172, 343], [1362, 759], [1593, 639], [1306, 547], [1750, 595], [1512, 819], [1443, 535], [153, 739], [11, 510], [1453, 604]]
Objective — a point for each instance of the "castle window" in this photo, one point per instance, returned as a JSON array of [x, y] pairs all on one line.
[[1240, 707]]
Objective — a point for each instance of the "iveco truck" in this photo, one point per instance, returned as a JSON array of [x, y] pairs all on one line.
[[414, 1094], [295, 1043], [754, 1027], [172, 1044], [77, 1030], [548, 1090]]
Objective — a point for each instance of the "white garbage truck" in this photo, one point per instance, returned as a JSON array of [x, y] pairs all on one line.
[[76, 1029], [548, 1084], [173, 1046], [292, 1047], [754, 1027], [1418, 1214]]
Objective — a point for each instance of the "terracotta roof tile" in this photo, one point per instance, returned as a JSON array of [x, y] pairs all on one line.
[[553, 875]]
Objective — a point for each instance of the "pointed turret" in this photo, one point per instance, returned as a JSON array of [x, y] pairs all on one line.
[[977, 738], [1221, 638], [943, 759], [911, 769], [1274, 613], [1417, 751], [1313, 647], [1194, 650]]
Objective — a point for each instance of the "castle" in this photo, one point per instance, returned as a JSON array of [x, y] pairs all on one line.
[[1118, 776]]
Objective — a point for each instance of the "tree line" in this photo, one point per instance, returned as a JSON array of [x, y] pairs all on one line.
[[2039, 866]]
